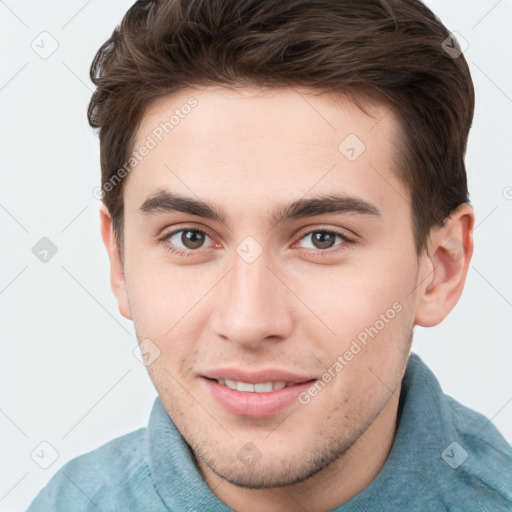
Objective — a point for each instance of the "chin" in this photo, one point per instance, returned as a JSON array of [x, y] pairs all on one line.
[[275, 470]]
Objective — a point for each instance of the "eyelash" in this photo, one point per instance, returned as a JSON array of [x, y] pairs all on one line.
[[191, 252]]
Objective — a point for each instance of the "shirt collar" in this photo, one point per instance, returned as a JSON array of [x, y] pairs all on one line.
[[424, 431], [175, 475]]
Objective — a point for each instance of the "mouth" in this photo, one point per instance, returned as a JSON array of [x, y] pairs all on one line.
[[256, 396], [261, 387]]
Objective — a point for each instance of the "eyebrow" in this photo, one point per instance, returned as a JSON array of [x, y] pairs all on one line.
[[165, 201]]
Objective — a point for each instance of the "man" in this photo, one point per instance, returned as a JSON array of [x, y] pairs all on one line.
[[284, 199]]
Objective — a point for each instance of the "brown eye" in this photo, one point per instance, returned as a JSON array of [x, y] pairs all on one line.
[[188, 239], [322, 239], [192, 239]]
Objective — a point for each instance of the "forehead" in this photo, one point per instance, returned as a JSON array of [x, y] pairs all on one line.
[[237, 114], [252, 146]]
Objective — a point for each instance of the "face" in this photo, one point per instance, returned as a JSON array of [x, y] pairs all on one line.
[[268, 242]]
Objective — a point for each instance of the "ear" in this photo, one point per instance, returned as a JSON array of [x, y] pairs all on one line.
[[117, 278], [444, 267]]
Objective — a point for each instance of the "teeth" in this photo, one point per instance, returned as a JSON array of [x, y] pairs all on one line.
[[246, 387], [279, 385], [231, 384], [264, 387]]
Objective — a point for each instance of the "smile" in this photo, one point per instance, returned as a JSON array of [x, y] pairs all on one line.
[[255, 399], [247, 387]]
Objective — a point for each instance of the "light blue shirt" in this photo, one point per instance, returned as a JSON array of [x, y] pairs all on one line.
[[445, 457]]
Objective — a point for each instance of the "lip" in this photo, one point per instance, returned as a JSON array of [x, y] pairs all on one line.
[[255, 405]]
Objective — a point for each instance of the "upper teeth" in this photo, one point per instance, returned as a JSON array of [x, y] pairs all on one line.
[[263, 387]]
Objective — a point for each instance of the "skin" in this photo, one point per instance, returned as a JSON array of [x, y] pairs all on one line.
[[297, 307]]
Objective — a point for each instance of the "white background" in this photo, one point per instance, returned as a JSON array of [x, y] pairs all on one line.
[[68, 373]]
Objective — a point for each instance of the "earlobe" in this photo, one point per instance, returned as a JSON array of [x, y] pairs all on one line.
[[117, 277], [445, 266]]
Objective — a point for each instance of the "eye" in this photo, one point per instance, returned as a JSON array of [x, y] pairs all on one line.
[[184, 241], [324, 239]]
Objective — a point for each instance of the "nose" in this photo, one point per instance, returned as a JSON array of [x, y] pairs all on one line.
[[253, 305]]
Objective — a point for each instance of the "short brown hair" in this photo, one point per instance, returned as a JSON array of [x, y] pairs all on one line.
[[395, 49]]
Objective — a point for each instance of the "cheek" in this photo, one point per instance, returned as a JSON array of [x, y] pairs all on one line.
[[349, 299], [168, 311], [161, 295], [371, 314]]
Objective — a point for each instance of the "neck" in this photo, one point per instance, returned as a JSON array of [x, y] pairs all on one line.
[[334, 485]]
